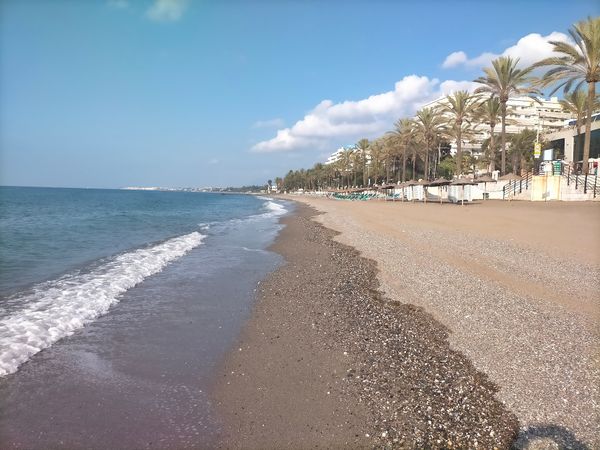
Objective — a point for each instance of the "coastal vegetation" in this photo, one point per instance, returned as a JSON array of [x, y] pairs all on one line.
[[424, 142]]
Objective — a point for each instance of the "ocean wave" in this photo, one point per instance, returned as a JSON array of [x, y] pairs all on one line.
[[271, 210], [57, 308], [274, 209]]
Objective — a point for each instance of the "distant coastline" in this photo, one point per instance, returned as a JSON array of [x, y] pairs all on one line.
[[221, 190]]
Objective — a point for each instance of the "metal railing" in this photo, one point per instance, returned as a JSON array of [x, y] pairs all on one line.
[[587, 183], [514, 187]]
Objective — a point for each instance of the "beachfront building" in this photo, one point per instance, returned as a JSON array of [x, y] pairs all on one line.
[[337, 155], [567, 142], [546, 116]]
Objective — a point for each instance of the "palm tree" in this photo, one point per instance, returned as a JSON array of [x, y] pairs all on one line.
[[403, 136], [459, 133], [459, 109], [377, 156], [362, 148], [346, 159], [389, 154], [575, 103], [579, 63], [504, 80], [356, 163], [429, 124], [488, 113]]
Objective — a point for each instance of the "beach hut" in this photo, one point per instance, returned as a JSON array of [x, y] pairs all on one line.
[[389, 191], [439, 182], [457, 191], [400, 187], [420, 188], [410, 193]]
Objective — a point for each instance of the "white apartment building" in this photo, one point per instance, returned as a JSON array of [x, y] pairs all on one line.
[[335, 156], [544, 115]]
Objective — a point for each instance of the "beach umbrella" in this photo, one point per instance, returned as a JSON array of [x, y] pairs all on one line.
[[440, 182], [485, 180], [462, 182]]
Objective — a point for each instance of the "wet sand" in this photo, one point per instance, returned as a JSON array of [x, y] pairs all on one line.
[[326, 361]]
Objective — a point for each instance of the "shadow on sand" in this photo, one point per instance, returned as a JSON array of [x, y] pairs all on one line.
[[548, 436]]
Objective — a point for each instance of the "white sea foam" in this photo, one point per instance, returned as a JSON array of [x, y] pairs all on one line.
[[56, 309], [274, 209], [257, 250]]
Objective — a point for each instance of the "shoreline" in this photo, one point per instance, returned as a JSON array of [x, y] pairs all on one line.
[[326, 360]]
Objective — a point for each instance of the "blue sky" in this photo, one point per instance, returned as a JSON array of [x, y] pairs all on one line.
[[197, 93]]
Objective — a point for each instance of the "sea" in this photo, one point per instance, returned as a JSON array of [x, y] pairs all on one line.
[[117, 307]]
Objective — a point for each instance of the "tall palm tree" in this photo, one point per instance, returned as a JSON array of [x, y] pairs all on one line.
[[504, 80], [377, 154], [578, 64], [388, 154], [362, 148], [346, 159], [459, 133], [356, 163], [459, 110], [575, 103], [488, 112], [429, 124], [403, 136]]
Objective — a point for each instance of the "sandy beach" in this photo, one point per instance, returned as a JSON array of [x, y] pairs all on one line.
[[494, 306]]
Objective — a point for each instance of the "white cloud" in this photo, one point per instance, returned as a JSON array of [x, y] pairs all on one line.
[[166, 10], [270, 123], [330, 122], [455, 59], [528, 49]]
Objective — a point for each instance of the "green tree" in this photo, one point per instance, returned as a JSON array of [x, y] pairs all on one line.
[[491, 153], [361, 150], [429, 125], [446, 167], [402, 135], [505, 80], [459, 112], [488, 113], [377, 159], [578, 64], [278, 183], [346, 159], [521, 150]]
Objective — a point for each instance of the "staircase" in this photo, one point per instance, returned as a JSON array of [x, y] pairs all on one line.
[[584, 187], [518, 189], [572, 188]]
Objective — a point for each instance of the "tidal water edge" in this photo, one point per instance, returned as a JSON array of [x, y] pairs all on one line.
[[115, 308]]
